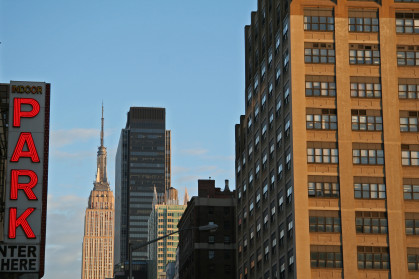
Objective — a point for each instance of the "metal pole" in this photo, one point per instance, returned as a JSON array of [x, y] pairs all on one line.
[[130, 260]]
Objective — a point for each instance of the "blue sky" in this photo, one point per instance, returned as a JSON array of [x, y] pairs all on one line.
[[186, 56]]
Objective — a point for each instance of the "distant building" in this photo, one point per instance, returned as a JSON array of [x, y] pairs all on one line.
[[170, 270], [98, 240], [164, 218], [176, 275], [142, 163], [207, 254]]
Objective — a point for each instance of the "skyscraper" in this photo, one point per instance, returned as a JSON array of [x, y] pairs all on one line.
[[143, 150], [165, 215], [327, 152], [98, 240]]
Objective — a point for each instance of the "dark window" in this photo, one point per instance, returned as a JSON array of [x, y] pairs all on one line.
[[373, 258], [371, 222], [370, 190]]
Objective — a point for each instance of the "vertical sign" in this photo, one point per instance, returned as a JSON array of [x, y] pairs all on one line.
[[26, 178]]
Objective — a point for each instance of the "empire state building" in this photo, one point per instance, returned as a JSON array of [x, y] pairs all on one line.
[[98, 240]]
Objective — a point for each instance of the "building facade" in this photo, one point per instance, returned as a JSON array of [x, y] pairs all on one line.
[[208, 254], [165, 215], [141, 158], [327, 152], [98, 240]]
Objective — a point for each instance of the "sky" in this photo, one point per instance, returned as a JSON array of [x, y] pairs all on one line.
[[186, 56]]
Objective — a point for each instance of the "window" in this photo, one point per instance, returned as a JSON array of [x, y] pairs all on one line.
[[249, 95], [412, 226], [288, 160], [271, 88], [409, 121], [322, 155], [370, 190], [256, 111], [325, 257], [287, 126], [367, 157], [271, 118], [365, 89], [249, 124], [271, 148], [263, 102], [250, 148], [277, 42], [319, 23], [321, 119], [277, 73], [211, 239], [329, 224], [286, 93], [286, 58], [364, 54], [363, 21], [373, 257], [280, 201], [407, 23], [411, 191], [265, 189], [211, 254], [323, 189], [270, 57], [408, 91], [371, 222], [290, 260], [410, 158], [320, 86], [413, 261], [263, 71], [319, 53], [280, 172], [257, 169], [285, 29], [366, 120], [290, 227], [289, 193], [278, 136], [407, 55], [278, 107], [256, 83]]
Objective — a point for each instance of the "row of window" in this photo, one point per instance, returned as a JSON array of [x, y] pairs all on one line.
[[406, 23], [361, 190], [358, 90]]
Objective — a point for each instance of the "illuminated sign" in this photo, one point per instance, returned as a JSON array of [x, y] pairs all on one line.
[[23, 249]]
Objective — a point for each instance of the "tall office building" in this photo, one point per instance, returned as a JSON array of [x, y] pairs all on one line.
[[327, 152], [98, 240], [165, 215], [143, 150]]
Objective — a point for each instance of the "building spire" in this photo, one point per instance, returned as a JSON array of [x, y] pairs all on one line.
[[101, 182], [101, 131], [186, 197]]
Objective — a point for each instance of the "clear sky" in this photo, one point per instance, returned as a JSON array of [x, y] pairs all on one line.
[[184, 55]]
